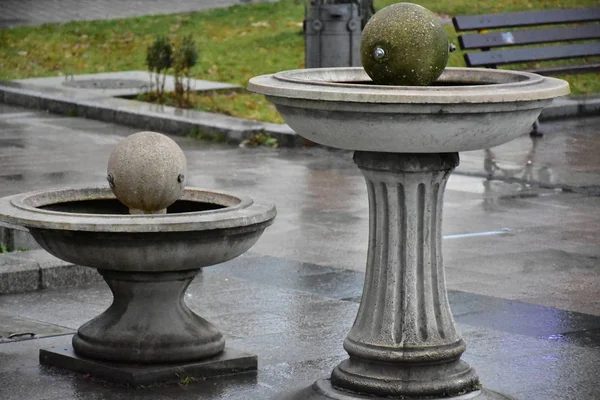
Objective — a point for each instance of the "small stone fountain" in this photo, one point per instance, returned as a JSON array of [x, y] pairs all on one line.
[[406, 139], [148, 240]]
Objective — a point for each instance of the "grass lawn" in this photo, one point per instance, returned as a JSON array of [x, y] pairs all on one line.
[[234, 45]]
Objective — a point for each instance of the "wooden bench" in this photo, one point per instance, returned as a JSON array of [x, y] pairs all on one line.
[[541, 36]]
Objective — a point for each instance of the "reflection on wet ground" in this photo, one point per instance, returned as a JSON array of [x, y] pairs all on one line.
[[566, 157], [522, 252]]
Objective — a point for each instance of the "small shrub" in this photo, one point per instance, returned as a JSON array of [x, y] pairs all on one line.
[[159, 58], [181, 56], [184, 58]]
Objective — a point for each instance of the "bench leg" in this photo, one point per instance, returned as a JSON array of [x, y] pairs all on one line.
[[535, 129]]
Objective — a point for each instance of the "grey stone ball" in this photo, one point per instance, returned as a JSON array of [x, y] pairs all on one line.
[[147, 172]]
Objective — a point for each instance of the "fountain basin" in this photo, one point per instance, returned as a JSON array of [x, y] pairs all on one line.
[[88, 226], [465, 109], [148, 334]]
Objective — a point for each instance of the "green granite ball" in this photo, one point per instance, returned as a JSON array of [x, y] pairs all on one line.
[[404, 44]]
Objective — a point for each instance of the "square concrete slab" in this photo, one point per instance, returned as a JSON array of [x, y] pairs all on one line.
[[112, 84], [13, 328], [230, 361]]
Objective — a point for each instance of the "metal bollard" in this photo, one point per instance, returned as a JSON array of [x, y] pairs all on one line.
[[332, 34]]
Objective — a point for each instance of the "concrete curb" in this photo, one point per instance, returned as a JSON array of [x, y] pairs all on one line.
[[24, 271], [138, 114], [26, 267], [572, 106], [176, 121]]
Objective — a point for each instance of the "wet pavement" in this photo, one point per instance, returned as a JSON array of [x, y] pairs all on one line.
[[36, 12], [521, 251]]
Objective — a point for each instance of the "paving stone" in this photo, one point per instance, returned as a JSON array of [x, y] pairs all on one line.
[[283, 300], [17, 274], [13, 328], [31, 12]]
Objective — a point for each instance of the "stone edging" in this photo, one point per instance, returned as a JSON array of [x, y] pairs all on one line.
[[24, 271], [34, 268], [137, 114], [175, 121]]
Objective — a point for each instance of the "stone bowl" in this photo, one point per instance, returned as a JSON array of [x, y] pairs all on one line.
[[465, 109], [89, 226]]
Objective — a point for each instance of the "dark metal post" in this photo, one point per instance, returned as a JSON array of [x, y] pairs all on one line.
[[332, 30]]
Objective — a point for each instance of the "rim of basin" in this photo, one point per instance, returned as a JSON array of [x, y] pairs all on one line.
[[456, 85], [28, 210]]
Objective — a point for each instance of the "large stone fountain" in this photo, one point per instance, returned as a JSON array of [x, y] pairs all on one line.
[[148, 240], [406, 139]]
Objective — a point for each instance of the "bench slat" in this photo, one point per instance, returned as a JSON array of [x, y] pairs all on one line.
[[525, 18], [567, 69], [511, 56], [530, 36]]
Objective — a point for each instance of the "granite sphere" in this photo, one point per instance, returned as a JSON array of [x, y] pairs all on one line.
[[404, 44], [147, 172]]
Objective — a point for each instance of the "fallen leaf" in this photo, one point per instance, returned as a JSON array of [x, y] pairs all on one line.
[[263, 24]]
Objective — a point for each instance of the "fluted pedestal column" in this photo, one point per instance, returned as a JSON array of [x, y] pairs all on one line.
[[403, 343]]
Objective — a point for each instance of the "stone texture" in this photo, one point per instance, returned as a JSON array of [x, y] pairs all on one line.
[[228, 362], [147, 172], [24, 271], [61, 274], [17, 239], [319, 226], [58, 273], [51, 94], [48, 94], [403, 341], [320, 235], [419, 119], [400, 29], [147, 270], [15, 328], [148, 322], [69, 84], [305, 340], [17, 274]]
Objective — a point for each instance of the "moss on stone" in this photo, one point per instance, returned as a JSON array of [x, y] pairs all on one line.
[[414, 44]]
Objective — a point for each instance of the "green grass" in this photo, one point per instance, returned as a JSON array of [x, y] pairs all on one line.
[[235, 103], [234, 45]]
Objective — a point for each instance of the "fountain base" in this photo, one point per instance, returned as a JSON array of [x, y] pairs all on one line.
[[324, 390], [229, 361], [148, 322], [148, 335]]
